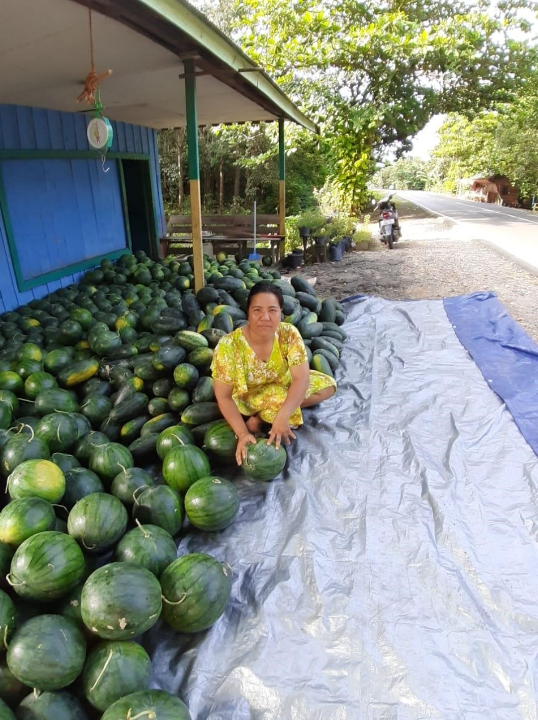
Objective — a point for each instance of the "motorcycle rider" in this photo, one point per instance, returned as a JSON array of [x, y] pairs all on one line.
[[387, 203]]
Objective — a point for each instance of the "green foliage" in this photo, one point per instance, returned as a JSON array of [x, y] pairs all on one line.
[[407, 173]]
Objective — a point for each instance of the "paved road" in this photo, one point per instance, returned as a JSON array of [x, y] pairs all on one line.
[[512, 232]]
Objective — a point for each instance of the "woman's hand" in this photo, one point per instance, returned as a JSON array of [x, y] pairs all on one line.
[[242, 441], [280, 431]]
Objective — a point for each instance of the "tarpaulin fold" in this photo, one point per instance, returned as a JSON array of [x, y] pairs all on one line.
[[391, 572]]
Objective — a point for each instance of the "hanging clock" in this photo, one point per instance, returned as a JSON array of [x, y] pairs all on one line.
[[100, 133]]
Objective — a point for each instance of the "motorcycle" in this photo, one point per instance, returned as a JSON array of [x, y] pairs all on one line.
[[389, 227]]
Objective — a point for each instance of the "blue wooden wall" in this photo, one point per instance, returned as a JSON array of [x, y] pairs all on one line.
[[25, 128]]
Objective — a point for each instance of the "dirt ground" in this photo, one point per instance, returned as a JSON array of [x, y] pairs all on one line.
[[430, 262]]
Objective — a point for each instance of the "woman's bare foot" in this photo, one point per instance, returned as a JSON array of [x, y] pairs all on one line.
[[254, 424]]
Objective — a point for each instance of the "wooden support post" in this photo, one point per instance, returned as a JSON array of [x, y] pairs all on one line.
[[281, 185], [194, 172]]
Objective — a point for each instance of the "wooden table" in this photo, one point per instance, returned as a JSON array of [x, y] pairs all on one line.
[[225, 243]]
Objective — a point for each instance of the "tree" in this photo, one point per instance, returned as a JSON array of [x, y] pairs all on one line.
[[408, 173]]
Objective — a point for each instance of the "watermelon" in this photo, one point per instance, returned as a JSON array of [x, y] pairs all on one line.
[[160, 506], [70, 607], [204, 390], [120, 601], [97, 521], [115, 669], [196, 589], [5, 712], [58, 430], [190, 340], [87, 444], [147, 546], [156, 704], [22, 448], [82, 423], [57, 359], [8, 619], [211, 504], [6, 396], [47, 652], [55, 400], [37, 478], [64, 461], [128, 482], [183, 465], [80, 482], [96, 408], [107, 461], [131, 430], [11, 381], [11, 690], [263, 461], [6, 416], [171, 437], [51, 706], [25, 517], [201, 413], [186, 376], [6, 554], [221, 441], [38, 381], [178, 399], [46, 566]]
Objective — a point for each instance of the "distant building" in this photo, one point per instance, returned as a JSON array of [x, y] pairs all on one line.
[[494, 189]]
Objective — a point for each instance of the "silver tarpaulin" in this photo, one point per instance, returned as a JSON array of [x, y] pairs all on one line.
[[391, 573]]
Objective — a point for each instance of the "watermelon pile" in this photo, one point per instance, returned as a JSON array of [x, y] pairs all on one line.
[[111, 446]]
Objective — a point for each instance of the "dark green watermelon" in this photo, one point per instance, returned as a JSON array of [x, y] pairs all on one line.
[[51, 706], [178, 399], [211, 504], [80, 482], [263, 461], [47, 652], [64, 461], [38, 381], [87, 444], [156, 704], [147, 546], [160, 505], [120, 601], [128, 482], [8, 619], [113, 670], [56, 400], [25, 517], [171, 437], [46, 567], [96, 408], [5, 712], [221, 441], [20, 449], [97, 521], [184, 465], [37, 478], [196, 589], [58, 430], [12, 690], [107, 461]]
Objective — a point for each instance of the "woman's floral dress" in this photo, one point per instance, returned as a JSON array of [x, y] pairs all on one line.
[[260, 388]]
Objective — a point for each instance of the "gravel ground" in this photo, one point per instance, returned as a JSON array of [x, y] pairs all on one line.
[[431, 262]]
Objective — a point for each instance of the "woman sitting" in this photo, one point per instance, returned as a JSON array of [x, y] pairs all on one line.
[[261, 371]]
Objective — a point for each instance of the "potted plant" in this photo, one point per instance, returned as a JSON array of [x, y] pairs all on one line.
[[309, 222], [336, 249]]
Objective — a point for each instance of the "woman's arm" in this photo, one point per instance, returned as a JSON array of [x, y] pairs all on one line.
[[227, 406], [280, 430]]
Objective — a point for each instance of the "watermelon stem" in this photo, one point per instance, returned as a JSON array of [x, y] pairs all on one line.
[[142, 487], [92, 547], [149, 713], [5, 638], [144, 532], [178, 439], [14, 584], [109, 658], [121, 466], [224, 568], [178, 602]]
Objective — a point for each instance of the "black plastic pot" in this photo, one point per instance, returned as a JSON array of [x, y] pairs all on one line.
[[336, 252], [304, 232], [294, 261], [298, 251], [321, 239]]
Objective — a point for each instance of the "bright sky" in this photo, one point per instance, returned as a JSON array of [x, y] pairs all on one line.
[[427, 139]]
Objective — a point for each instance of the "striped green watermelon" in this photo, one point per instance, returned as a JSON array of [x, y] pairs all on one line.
[[22, 448], [51, 706], [221, 441], [147, 546], [58, 430], [156, 704], [6, 416], [196, 589], [57, 359], [5, 712], [178, 399], [160, 506], [185, 376], [25, 517], [38, 381], [96, 408], [120, 601], [263, 461], [211, 504], [8, 619], [97, 521], [37, 478], [184, 465], [128, 482], [6, 396], [47, 652], [107, 461], [11, 381], [46, 567], [80, 482], [172, 436], [64, 461], [115, 669], [87, 444], [56, 400]]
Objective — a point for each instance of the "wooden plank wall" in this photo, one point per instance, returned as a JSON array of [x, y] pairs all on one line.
[[26, 128]]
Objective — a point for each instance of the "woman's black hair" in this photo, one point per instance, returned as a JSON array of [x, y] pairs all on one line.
[[265, 287]]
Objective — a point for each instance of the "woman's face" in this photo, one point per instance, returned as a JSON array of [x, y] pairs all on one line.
[[264, 314]]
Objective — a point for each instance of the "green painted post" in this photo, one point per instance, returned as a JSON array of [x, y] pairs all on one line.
[[194, 172], [281, 185]]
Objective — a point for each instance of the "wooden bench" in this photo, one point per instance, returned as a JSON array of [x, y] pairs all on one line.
[[232, 234]]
